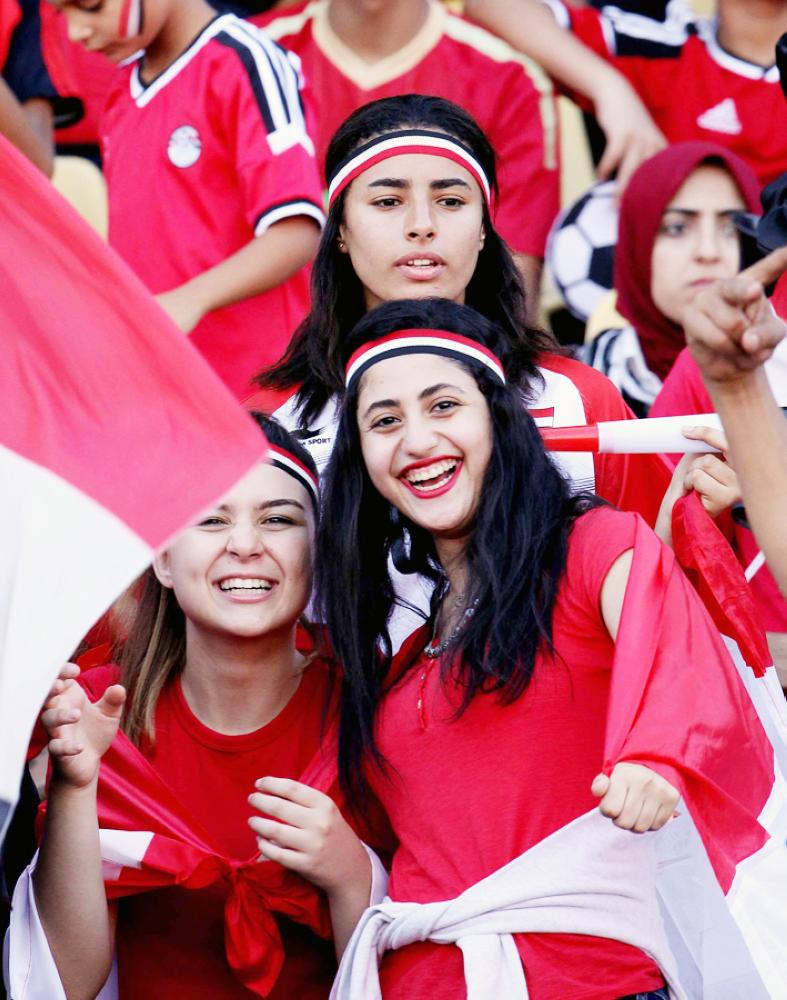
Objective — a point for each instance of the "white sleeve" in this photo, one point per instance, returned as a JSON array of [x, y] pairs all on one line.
[[379, 889], [29, 968]]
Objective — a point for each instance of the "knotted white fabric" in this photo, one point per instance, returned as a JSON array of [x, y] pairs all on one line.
[[589, 877]]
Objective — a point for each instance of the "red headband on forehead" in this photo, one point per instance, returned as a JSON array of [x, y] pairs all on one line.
[[287, 462], [442, 342], [404, 142]]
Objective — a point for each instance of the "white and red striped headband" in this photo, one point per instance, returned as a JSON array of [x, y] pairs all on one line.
[[442, 342], [401, 143], [287, 462]]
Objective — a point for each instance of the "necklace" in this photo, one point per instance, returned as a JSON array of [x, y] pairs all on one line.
[[434, 649]]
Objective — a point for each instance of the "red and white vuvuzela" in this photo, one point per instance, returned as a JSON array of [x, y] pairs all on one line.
[[652, 435], [114, 435]]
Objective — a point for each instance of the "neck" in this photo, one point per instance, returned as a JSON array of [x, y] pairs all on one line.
[[236, 686], [451, 554], [374, 29], [749, 29], [181, 27]]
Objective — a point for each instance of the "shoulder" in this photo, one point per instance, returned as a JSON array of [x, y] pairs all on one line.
[[257, 52], [601, 399], [659, 34], [598, 537], [289, 27], [96, 680], [481, 48]]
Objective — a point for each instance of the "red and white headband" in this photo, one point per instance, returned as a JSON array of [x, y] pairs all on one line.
[[287, 462], [402, 143], [442, 342], [131, 17]]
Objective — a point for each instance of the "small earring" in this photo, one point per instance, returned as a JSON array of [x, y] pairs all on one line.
[[341, 244]]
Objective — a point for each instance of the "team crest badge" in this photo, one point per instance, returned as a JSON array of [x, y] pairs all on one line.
[[184, 146]]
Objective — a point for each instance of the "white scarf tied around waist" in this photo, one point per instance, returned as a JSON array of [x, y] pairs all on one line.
[[589, 877]]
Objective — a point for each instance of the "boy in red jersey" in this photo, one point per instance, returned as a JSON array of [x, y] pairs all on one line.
[[356, 51], [699, 78], [214, 196]]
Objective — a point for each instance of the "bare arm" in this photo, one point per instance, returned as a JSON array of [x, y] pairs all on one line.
[[529, 26], [264, 262], [731, 330], [69, 888], [16, 126]]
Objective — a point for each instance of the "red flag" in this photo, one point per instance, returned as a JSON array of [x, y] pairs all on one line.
[[115, 434]]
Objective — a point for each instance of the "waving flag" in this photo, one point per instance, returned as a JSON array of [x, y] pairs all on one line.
[[694, 722], [114, 434]]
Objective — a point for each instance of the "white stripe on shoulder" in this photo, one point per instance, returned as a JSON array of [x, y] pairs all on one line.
[[290, 210], [142, 95], [673, 31], [706, 29], [495, 48]]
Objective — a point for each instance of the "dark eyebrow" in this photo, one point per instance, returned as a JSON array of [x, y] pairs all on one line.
[[384, 404], [448, 182], [693, 212], [440, 387], [389, 182], [381, 404], [268, 504]]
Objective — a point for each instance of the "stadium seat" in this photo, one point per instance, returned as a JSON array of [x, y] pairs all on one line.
[[82, 184]]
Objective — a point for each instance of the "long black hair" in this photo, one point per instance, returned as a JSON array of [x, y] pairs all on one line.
[[313, 358], [516, 553]]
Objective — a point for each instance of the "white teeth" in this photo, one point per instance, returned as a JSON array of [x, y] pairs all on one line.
[[243, 583], [428, 472], [421, 262]]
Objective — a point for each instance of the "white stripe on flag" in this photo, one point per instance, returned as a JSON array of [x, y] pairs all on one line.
[[122, 849], [64, 558]]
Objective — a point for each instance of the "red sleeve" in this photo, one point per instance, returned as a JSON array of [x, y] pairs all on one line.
[[524, 135], [276, 166], [10, 15], [597, 539]]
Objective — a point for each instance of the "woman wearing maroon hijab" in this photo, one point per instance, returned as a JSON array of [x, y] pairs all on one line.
[[676, 234]]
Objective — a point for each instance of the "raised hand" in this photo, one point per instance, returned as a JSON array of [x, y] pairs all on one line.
[[730, 327], [80, 731]]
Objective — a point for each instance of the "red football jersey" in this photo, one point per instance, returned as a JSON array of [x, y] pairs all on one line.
[[509, 96], [692, 87], [199, 161]]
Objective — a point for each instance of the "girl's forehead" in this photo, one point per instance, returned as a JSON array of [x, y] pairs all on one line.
[[411, 374], [263, 484]]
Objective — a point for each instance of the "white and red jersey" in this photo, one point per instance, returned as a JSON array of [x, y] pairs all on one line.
[[693, 88], [199, 161], [509, 96]]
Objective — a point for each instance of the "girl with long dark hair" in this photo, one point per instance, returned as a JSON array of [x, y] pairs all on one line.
[[412, 188], [184, 755], [529, 694]]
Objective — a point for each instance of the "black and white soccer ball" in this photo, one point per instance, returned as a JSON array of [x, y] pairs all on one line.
[[581, 249]]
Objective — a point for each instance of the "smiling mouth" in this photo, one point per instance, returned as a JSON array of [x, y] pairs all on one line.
[[238, 583], [431, 479]]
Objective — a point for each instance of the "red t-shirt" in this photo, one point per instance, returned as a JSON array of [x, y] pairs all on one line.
[[206, 156], [508, 95], [685, 392], [467, 795], [693, 88], [170, 942]]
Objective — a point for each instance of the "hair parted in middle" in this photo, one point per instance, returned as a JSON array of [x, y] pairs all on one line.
[[515, 555], [155, 650], [313, 359]]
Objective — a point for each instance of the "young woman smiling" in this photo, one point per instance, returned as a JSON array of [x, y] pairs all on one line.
[[498, 727], [412, 189], [226, 710]]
